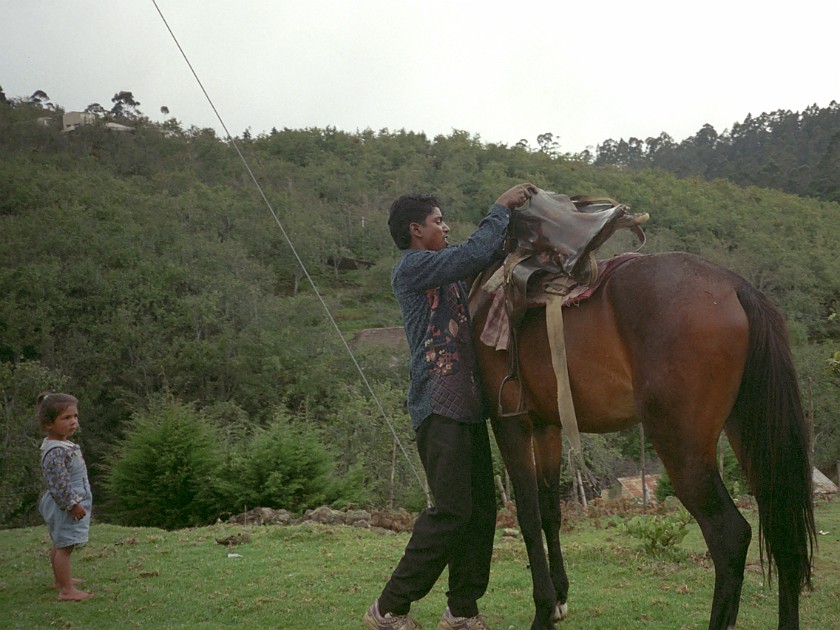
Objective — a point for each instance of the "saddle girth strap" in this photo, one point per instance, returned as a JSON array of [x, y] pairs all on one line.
[[565, 405]]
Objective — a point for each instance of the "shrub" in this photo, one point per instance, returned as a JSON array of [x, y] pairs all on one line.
[[660, 533], [21, 481], [286, 465], [362, 441], [664, 487], [165, 472]]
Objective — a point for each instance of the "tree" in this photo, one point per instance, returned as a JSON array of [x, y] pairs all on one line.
[[96, 109], [825, 182], [833, 362], [164, 473], [286, 465], [20, 473], [40, 99], [125, 106], [659, 148], [548, 144], [625, 153]]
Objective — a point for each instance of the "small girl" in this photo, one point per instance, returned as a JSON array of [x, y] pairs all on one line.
[[67, 502]]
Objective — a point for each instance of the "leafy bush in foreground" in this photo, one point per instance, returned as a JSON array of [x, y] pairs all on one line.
[[174, 469], [660, 533], [286, 465], [165, 471]]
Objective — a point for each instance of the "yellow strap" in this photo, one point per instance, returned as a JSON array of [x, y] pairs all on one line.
[[565, 405]]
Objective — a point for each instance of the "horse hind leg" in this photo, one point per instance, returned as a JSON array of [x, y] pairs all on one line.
[[548, 456], [727, 534]]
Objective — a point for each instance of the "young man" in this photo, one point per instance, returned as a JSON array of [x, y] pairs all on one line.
[[447, 412]]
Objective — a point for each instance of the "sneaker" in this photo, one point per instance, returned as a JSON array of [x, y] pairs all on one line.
[[448, 622], [375, 621]]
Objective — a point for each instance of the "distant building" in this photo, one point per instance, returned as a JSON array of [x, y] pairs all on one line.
[[822, 484], [631, 487], [74, 120], [117, 127]]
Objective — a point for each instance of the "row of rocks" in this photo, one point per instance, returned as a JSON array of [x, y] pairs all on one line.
[[389, 520], [400, 520]]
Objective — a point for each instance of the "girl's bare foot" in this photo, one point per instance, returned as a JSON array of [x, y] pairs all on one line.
[[73, 595], [73, 581]]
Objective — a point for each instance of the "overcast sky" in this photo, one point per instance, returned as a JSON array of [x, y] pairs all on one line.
[[583, 70]]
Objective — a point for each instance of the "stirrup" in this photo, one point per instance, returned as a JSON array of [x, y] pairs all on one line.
[[521, 407]]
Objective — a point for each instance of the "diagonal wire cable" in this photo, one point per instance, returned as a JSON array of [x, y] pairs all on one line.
[[296, 256]]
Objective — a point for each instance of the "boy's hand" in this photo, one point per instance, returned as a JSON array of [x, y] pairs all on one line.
[[517, 195]]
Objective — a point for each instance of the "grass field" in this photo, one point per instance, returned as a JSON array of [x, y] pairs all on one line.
[[314, 576]]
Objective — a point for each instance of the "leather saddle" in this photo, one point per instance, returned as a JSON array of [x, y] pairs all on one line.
[[555, 239], [558, 235]]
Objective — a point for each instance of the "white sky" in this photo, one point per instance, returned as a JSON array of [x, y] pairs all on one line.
[[584, 70]]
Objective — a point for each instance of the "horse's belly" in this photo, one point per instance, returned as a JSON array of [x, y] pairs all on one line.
[[605, 409], [601, 392], [600, 375]]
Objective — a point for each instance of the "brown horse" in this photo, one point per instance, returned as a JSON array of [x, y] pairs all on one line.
[[688, 349]]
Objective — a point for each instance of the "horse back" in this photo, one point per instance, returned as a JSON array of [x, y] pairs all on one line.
[[661, 326]]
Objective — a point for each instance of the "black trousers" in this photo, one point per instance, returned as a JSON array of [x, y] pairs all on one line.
[[458, 530]]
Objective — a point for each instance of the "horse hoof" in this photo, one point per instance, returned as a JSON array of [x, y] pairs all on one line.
[[560, 612]]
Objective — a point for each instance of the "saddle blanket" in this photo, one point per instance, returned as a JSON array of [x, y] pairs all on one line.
[[496, 332]]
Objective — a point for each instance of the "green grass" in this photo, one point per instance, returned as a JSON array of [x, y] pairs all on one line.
[[313, 576]]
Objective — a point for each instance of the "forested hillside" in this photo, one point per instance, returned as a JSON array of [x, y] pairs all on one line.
[[144, 273], [798, 153]]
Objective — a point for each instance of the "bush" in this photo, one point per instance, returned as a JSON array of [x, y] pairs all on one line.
[[165, 472], [286, 465], [362, 441], [664, 487], [660, 534], [21, 480]]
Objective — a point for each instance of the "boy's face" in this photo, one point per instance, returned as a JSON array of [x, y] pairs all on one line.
[[432, 234]]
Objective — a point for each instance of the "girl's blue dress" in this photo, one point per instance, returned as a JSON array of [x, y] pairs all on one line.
[[67, 484]]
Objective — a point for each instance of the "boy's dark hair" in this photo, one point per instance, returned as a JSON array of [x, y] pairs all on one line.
[[408, 209], [49, 405]]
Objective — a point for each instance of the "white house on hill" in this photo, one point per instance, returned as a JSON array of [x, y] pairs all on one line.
[[74, 120]]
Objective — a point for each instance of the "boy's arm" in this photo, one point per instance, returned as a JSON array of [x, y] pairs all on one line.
[[423, 269]]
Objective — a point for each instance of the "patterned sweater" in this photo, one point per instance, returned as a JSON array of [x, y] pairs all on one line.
[[56, 463], [428, 285]]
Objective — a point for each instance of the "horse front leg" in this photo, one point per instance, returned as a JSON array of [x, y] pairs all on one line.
[[514, 439], [548, 456]]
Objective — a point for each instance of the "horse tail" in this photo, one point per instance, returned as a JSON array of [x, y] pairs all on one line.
[[774, 441]]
